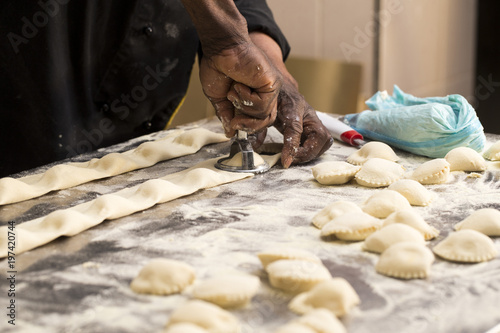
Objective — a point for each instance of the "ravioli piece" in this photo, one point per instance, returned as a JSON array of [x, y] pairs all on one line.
[[435, 171], [466, 246], [382, 239], [354, 226], [207, 316], [316, 321], [383, 203], [294, 327], [278, 253], [414, 220], [373, 149], [334, 210], [228, 290], [413, 191], [486, 221], [334, 172], [322, 321], [296, 275], [335, 295], [493, 153], [377, 172], [237, 160], [465, 159], [406, 260], [184, 328], [163, 277]]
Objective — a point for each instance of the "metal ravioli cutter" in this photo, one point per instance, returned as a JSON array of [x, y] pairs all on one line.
[[243, 146]]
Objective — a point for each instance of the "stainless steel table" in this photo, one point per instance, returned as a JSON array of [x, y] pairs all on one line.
[[81, 283]]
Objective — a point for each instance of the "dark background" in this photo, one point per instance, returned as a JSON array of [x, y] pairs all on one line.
[[487, 85]]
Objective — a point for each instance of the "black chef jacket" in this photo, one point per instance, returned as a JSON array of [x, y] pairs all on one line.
[[76, 75]]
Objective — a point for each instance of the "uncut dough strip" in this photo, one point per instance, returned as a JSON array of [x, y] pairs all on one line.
[[71, 221], [179, 143]]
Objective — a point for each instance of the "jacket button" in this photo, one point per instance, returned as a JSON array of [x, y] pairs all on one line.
[[148, 31]]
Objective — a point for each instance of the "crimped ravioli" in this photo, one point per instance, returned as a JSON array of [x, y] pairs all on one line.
[[413, 191], [466, 246], [208, 316], [163, 277], [385, 202], [465, 159], [335, 295], [405, 260], [294, 327], [322, 321], [382, 239], [354, 226], [184, 328], [493, 152], [377, 172], [334, 172], [435, 171], [227, 290], [373, 149], [486, 221], [414, 220], [332, 211], [271, 255], [296, 275], [316, 321]]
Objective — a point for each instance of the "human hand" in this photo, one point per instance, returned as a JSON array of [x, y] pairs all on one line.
[[243, 87], [236, 76], [305, 137]]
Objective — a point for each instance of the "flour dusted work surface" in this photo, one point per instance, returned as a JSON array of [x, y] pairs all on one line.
[[82, 282]]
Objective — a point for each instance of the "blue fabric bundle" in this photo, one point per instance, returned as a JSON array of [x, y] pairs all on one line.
[[423, 126]]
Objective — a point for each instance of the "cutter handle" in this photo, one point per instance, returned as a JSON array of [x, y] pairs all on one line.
[[340, 131]]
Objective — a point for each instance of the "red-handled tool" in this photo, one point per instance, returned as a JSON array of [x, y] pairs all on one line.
[[341, 131]]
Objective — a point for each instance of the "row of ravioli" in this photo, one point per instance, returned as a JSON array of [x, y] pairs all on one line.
[[317, 297], [375, 165], [386, 222]]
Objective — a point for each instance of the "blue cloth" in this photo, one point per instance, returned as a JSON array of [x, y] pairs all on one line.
[[424, 126]]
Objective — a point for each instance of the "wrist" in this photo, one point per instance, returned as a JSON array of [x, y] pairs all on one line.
[[219, 24]]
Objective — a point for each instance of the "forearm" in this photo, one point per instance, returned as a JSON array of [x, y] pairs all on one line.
[[219, 24]]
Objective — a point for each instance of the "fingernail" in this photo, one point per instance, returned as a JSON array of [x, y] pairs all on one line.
[[287, 161]]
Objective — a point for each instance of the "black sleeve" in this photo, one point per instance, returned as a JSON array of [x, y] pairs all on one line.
[[260, 18]]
